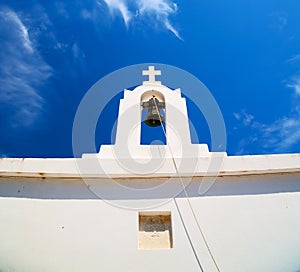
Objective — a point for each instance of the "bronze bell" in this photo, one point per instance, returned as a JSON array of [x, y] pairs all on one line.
[[154, 118]]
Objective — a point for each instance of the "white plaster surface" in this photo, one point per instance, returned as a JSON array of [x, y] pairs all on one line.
[[245, 233]]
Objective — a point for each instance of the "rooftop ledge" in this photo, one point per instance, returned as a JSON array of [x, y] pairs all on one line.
[[214, 164]]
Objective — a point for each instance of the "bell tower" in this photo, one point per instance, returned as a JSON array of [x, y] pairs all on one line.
[[166, 108]]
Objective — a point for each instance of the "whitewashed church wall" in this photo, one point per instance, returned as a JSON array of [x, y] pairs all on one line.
[[250, 232]]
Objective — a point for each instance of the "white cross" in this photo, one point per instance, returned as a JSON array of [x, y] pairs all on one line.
[[151, 73]]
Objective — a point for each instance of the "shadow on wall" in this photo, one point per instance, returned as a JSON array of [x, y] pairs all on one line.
[[158, 188]]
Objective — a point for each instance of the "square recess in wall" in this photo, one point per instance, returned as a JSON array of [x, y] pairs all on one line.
[[155, 230]]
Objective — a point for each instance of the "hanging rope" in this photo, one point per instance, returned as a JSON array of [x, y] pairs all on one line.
[[186, 193]]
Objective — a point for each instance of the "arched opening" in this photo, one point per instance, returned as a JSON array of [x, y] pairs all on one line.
[[153, 118]]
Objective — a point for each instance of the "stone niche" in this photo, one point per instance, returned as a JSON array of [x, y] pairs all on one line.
[[155, 230]]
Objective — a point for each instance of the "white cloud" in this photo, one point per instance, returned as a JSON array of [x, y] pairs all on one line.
[[295, 84], [237, 116], [121, 6], [161, 9], [172, 29], [279, 20], [11, 17], [86, 14], [77, 52], [279, 136], [61, 9], [22, 70], [294, 58], [282, 134], [245, 117], [157, 11], [282, 20]]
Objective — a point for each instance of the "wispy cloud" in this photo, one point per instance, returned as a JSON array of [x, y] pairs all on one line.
[[121, 6], [61, 9], [22, 70], [281, 135], [282, 21], [245, 117], [161, 10], [294, 58], [279, 20], [294, 84], [158, 11], [12, 17]]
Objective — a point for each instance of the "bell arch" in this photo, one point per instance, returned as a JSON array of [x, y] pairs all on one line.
[[153, 118], [162, 105]]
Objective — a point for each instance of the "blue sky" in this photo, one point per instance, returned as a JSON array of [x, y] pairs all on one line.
[[246, 52]]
